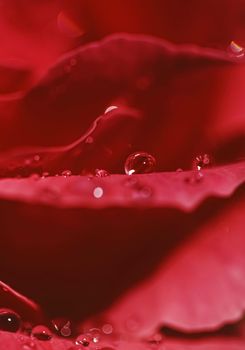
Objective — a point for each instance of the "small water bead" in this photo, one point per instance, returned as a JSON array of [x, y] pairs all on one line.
[[101, 173], [83, 339], [66, 173], [95, 334], [201, 161], [45, 174], [41, 332], [29, 345], [89, 140], [98, 192], [179, 170], [107, 328], [139, 163], [196, 177], [66, 330], [10, 321], [236, 50]]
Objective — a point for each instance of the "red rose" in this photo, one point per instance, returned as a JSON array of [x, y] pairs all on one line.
[[157, 258]]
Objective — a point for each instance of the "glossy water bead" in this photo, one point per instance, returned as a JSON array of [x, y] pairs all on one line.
[[139, 163], [9, 320]]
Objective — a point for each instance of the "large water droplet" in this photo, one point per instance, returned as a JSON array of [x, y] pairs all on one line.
[[139, 163], [41, 332], [10, 321], [201, 161], [236, 50]]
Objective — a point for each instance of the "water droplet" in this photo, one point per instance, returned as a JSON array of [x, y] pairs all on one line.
[[62, 326], [66, 173], [35, 177], [107, 328], [139, 163], [41, 332], [201, 161], [10, 321], [111, 108], [95, 334], [36, 158], [28, 345], [83, 339], [236, 50], [89, 140], [101, 173], [144, 191], [196, 177], [45, 174], [179, 170], [98, 192]]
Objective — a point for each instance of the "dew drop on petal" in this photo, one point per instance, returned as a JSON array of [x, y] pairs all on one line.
[[201, 161], [36, 158], [236, 50], [101, 173], [107, 328], [41, 332], [89, 140], [66, 173], [66, 330], [179, 170], [10, 321], [196, 177], [83, 339], [109, 109], [95, 334], [139, 163], [45, 174], [98, 192], [29, 345]]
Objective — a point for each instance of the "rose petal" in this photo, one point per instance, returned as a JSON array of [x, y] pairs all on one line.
[[183, 190], [170, 85], [59, 238], [199, 286], [18, 342]]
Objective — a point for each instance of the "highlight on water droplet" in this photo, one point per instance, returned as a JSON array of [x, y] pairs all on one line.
[[98, 192], [41, 332], [201, 161], [101, 173], [10, 321], [109, 109], [139, 163], [236, 50], [62, 326]]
